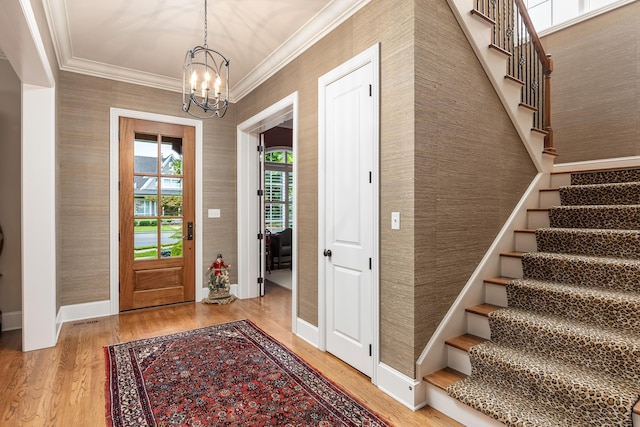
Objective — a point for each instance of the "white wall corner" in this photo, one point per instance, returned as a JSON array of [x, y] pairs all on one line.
[[307, 332], [408, 391], [38, 231], [11, 320]]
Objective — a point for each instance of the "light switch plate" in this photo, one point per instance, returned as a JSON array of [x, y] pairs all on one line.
[[214, 213], [395, 220]]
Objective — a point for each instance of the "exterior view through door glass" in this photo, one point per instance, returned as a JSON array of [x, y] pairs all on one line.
[[157, 256]]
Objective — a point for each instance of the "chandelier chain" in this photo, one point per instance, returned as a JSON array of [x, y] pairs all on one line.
[[205, 23]]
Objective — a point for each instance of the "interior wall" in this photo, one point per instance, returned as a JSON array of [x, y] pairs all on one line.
[[83, 172], [390, 23], [596, 86], [10, 196], [451, 163], [471, 166]]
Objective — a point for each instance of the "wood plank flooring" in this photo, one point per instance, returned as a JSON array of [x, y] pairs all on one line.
[[64, 386]]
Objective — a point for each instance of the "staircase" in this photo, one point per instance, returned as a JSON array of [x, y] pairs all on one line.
[[557, 341]]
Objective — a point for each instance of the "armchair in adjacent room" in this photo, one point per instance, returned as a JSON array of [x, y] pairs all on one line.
[[281, 248]]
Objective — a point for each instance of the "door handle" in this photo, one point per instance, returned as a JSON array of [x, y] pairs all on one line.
[[327, 253], [189, 235]]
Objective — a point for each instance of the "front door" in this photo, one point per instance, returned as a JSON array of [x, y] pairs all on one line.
[[348, 215], [157, 211]]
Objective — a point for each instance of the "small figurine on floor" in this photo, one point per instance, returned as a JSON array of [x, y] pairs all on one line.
[[219, 285]]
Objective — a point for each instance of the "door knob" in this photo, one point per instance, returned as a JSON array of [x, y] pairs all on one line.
[[327, 252]]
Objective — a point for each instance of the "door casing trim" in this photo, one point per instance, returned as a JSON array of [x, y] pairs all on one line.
[[114, 169]]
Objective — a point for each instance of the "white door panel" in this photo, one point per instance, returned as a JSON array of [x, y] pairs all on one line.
[[349, 205]]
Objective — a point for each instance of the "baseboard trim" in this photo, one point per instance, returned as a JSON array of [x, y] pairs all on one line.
[[408, 391], [12, 321], [89, 310], [307, 332]]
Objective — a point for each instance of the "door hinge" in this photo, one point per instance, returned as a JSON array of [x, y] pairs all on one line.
[[370, 351], [369, 263], [260, 193], [370, 177], [260, 280], [370, 90], [260, 148], [260, 236]]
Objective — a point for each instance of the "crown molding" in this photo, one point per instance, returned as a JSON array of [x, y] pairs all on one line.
[[121, 74], [332, 15]]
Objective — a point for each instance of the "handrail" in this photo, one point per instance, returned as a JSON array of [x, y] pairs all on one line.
[[514, 33]]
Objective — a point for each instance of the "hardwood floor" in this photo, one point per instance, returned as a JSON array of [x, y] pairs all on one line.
[[64, 386]]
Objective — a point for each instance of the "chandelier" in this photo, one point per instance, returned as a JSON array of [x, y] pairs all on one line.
[[205, 80]]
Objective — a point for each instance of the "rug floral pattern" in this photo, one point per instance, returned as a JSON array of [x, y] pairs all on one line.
[[231, 374]]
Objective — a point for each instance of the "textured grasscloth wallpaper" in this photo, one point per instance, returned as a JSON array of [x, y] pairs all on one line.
[[596, 86], [451, 163]]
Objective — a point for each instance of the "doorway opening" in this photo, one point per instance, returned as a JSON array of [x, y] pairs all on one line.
[[278, 186], [252, 261]]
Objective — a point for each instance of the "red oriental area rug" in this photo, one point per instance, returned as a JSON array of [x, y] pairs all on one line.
[[231, 374]]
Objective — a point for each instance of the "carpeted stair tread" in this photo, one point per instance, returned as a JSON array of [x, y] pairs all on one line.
[[619, 217], [605, 176], [614, 273], [508, 407], [627, 193], [594, 305], [544, 379], [592, 242], [609, 350]]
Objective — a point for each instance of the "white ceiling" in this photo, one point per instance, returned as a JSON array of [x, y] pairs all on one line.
[[145, 41]]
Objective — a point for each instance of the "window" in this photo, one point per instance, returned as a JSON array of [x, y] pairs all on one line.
[[548, 13], [278, 186]]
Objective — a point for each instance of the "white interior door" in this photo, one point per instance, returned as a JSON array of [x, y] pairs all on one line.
[[349, 208]]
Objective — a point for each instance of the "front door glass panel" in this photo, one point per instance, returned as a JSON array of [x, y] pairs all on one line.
[[158, 198]]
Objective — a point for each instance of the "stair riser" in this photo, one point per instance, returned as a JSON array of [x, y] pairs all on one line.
[[621, 194], [581, 350], [560, 179], [549, 199], [622, 313], [526, 242], [598, 217], [495, 294], [601, 243], [510, 267], [459, 360], [538, 219], [478, 325], [583, 271], [544, 388]]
